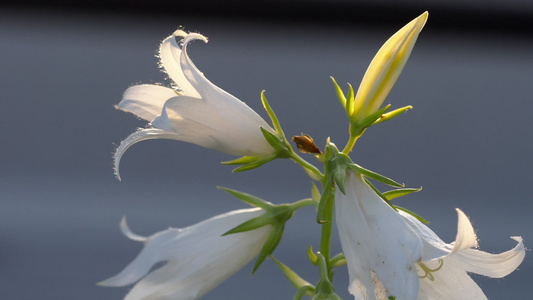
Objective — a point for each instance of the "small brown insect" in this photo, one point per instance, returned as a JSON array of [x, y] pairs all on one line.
[[306, 144]]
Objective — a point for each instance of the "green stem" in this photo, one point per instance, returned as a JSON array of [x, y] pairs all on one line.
[[304, 202], [306, 165], [325, 239], [350, 144]]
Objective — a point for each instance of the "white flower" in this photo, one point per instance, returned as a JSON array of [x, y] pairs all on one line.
[[197, 258], [380, 247], [196, 112], [447, 264]]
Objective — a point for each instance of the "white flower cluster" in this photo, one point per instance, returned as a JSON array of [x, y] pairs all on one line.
[[389, 253]]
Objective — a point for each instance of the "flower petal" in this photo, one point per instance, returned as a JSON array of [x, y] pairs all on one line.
[[492, 265], [215, 96], [130, 234], [450, 282], [466, 236], [433, 246], [145, 100], [141, 135], [198, 258], [374, 237], [169, 56], [158, 249], [194, 121]]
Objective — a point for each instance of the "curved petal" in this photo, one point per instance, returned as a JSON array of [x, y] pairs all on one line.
[[169, 59], [130, 234], [492, 265], [196, 122], [146, 100], [466, 237], [141, 135], [450, 282], [374, 237], [198, 258], [213, 95], [155, 251]]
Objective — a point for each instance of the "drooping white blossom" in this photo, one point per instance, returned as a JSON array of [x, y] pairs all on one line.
[[194, 111], [447, 265], [380, 247], [198, 258]]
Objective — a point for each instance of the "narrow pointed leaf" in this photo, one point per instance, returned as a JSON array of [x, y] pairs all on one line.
[[248, 198], [271, 114], [242, 160], [340, 93], [375, 176], [269, 246], [297, 281], [379, 193], [400, 192], [391, 115], [411, 213]]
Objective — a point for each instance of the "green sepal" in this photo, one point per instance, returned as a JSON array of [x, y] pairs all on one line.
[[251, 224], [340, 93], [297, 281], [315, 193], [400, 192], [396, 207], [391, 115], [270, 245], [277, 142], [324, 199], [304, 291], [272, 115], [375, 176], [358, 127], [338, 260], [418, 217], [350, 100], [324, 289], [242, 160], [249, 162], [248, 198], [312, 256], [379, 194]]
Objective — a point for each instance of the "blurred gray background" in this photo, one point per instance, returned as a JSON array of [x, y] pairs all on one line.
[[64, 64]]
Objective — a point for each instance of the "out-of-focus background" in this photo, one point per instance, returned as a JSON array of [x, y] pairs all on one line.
[[64, 64]]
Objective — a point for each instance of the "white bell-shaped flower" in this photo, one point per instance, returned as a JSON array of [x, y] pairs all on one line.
[[444, 267], [198, 258], [195, 111], [380, 247]]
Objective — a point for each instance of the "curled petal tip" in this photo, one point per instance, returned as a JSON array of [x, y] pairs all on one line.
[[128, 233]]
